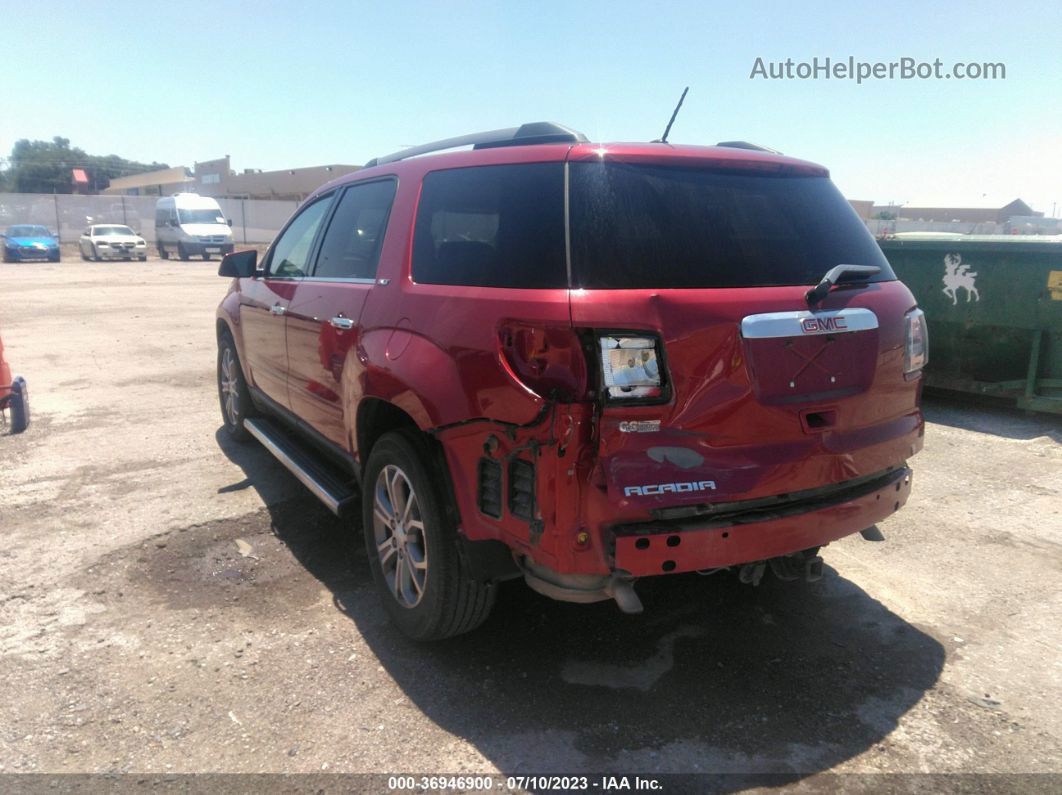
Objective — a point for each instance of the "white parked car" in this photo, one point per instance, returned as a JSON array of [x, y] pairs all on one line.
[[111, 241]]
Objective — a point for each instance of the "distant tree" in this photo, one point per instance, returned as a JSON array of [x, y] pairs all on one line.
[[46, 167], [885, 215]]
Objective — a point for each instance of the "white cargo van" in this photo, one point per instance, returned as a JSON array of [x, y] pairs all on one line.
[[188, 225]]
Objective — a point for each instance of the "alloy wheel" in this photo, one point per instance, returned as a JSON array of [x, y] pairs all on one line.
[[230, 386], [398, 530]]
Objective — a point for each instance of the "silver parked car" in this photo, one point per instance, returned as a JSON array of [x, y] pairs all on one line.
[[111, 241]]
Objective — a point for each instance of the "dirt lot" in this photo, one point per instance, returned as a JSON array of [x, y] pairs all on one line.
[[172, 602]]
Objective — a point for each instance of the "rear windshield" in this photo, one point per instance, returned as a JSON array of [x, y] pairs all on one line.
[[648, 226]]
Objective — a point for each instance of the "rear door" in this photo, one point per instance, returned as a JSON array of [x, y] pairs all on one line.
[[264, 301], [322, 319], [726, 385]]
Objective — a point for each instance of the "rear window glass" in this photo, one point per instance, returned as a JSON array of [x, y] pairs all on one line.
[[492, 226], [648, 226]]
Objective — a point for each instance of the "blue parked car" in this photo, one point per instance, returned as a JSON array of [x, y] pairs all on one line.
[[30, 241]]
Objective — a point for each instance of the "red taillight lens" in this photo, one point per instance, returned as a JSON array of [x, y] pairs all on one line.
[[547, 360]]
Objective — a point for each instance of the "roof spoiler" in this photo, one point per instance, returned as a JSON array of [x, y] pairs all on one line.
[[538, 132], [747, 145]]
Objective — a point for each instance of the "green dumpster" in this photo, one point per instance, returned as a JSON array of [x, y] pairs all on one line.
[[994, 310]]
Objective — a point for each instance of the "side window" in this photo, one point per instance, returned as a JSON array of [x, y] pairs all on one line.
[[492, 226], [351, 245], [292, 249]]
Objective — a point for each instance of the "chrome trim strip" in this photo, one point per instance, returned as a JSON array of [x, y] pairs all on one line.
[[339, 279], [803, 323], [304, 477]]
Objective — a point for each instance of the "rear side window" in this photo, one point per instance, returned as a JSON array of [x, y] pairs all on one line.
[[492, 226], [351, 245], [648, 226]]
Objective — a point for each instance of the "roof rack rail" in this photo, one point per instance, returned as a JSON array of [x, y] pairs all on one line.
[[747, 145], [538, 132]]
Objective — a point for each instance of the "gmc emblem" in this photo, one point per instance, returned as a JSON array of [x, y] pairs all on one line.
[[819, 325]]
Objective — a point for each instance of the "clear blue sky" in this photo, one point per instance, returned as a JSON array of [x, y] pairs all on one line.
[[279, 85]]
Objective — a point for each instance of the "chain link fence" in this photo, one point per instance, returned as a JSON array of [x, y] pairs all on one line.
[[253, 220]]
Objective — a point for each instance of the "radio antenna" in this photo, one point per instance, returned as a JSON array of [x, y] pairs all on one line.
[[667, 130]]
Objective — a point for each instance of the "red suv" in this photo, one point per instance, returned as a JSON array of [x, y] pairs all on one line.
[[578, 363]]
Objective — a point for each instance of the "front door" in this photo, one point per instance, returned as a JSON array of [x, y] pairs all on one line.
[[322, 320], [264, 302]]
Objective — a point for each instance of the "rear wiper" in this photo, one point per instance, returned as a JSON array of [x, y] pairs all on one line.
[[834, 275]]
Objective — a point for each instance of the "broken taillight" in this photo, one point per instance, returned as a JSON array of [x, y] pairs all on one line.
[[631, 367]]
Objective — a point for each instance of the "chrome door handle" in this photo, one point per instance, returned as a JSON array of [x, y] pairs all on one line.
[[342, 323], [277, 309]]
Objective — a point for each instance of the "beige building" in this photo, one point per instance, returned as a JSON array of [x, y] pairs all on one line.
[[977, 215], [862, 207], [217, 178], [165, 182]]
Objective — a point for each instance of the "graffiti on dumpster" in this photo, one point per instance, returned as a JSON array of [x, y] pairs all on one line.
[[958, 276]]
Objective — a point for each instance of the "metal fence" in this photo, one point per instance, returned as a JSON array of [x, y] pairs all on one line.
[[253, 220]]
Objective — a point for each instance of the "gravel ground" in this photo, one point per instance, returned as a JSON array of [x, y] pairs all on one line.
[[172, 602]]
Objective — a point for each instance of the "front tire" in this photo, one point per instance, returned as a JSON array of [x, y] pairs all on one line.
[[412, 543], [182, 253], [235, 397]]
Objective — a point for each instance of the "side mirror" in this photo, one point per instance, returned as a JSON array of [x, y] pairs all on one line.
[[229, 222], [239, 264]]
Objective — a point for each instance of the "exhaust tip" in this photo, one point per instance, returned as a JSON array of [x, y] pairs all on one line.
[[622, 590]]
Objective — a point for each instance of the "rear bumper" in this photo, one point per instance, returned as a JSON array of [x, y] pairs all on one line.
[[651, 548]]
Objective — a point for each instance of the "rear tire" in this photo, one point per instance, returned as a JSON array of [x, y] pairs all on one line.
[[412, 543], [163, 253], [235, 397]]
